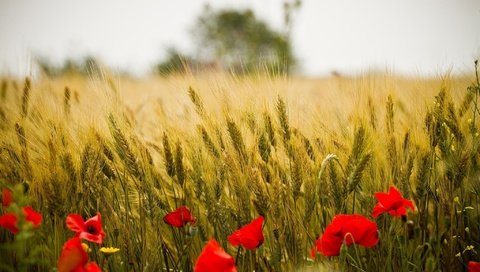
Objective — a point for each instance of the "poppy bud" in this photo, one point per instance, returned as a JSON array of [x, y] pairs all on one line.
[[276, 234], [26, 187], [192, 230], [410, 229]]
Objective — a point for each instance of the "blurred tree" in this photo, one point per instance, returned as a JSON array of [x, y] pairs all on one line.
[[46, 67], [240, 41], [175, 62], [87, 65]]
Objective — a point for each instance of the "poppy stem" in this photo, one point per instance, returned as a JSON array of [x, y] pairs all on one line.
[[353, 206], [236, 256], [358, 260], [165, 256]]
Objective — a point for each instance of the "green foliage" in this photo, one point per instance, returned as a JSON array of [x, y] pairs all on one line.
[[242, 42], [175, 62], [87, 65]]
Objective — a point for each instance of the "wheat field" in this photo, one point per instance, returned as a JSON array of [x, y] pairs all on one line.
[[295, 150]]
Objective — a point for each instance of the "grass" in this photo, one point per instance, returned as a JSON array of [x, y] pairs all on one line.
[[297, 151]]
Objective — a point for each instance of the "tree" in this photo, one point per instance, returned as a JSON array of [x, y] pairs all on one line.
[[175, 62], [87, 65], [240, 41]]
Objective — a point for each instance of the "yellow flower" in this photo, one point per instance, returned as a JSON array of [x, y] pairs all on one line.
[[109, 250], [86, 248]]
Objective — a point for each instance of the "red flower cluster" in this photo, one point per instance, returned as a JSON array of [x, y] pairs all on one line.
[[391, 202], [10, 220], [179, 218], [90, 230], [249, 236], [357, 229], [74, 258], [348, 229], [214, 259], [473, 266]]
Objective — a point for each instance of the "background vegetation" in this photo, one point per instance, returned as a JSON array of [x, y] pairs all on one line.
[[297, 151], [224, 40]]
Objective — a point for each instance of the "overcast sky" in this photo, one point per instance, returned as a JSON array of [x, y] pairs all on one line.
[[417, 37]]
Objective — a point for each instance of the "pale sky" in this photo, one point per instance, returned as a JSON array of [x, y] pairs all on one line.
[[415, 37]]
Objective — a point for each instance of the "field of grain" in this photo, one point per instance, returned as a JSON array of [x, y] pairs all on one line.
[[297, 151]]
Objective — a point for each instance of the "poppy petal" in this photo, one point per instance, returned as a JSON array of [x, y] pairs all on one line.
[[378, 210], [255, 227], [313, 252], [235, 238], [92, 267], [75, 223], [214, 259], [335, 227], [93, 230], [329, 244], [179, 218], [185, 214], [73, 256], [173, 219], [394, 193], [94, 238], [249, 236], [364, 231], [7, 197], [383, 198], [398, 212], [93, 226], [97, 219], [248, 241], [409, 204], [32, 216], [473, 266], [349, 229], [9, 221], [392, 202]]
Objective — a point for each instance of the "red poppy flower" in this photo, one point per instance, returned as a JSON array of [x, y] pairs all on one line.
[[10, 220], [32, 216], [90, 230], [7, 197], [214, 259], [473, 266], [391, 202], [348, 229], [249, 236], [74, 258], [179, 218]]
